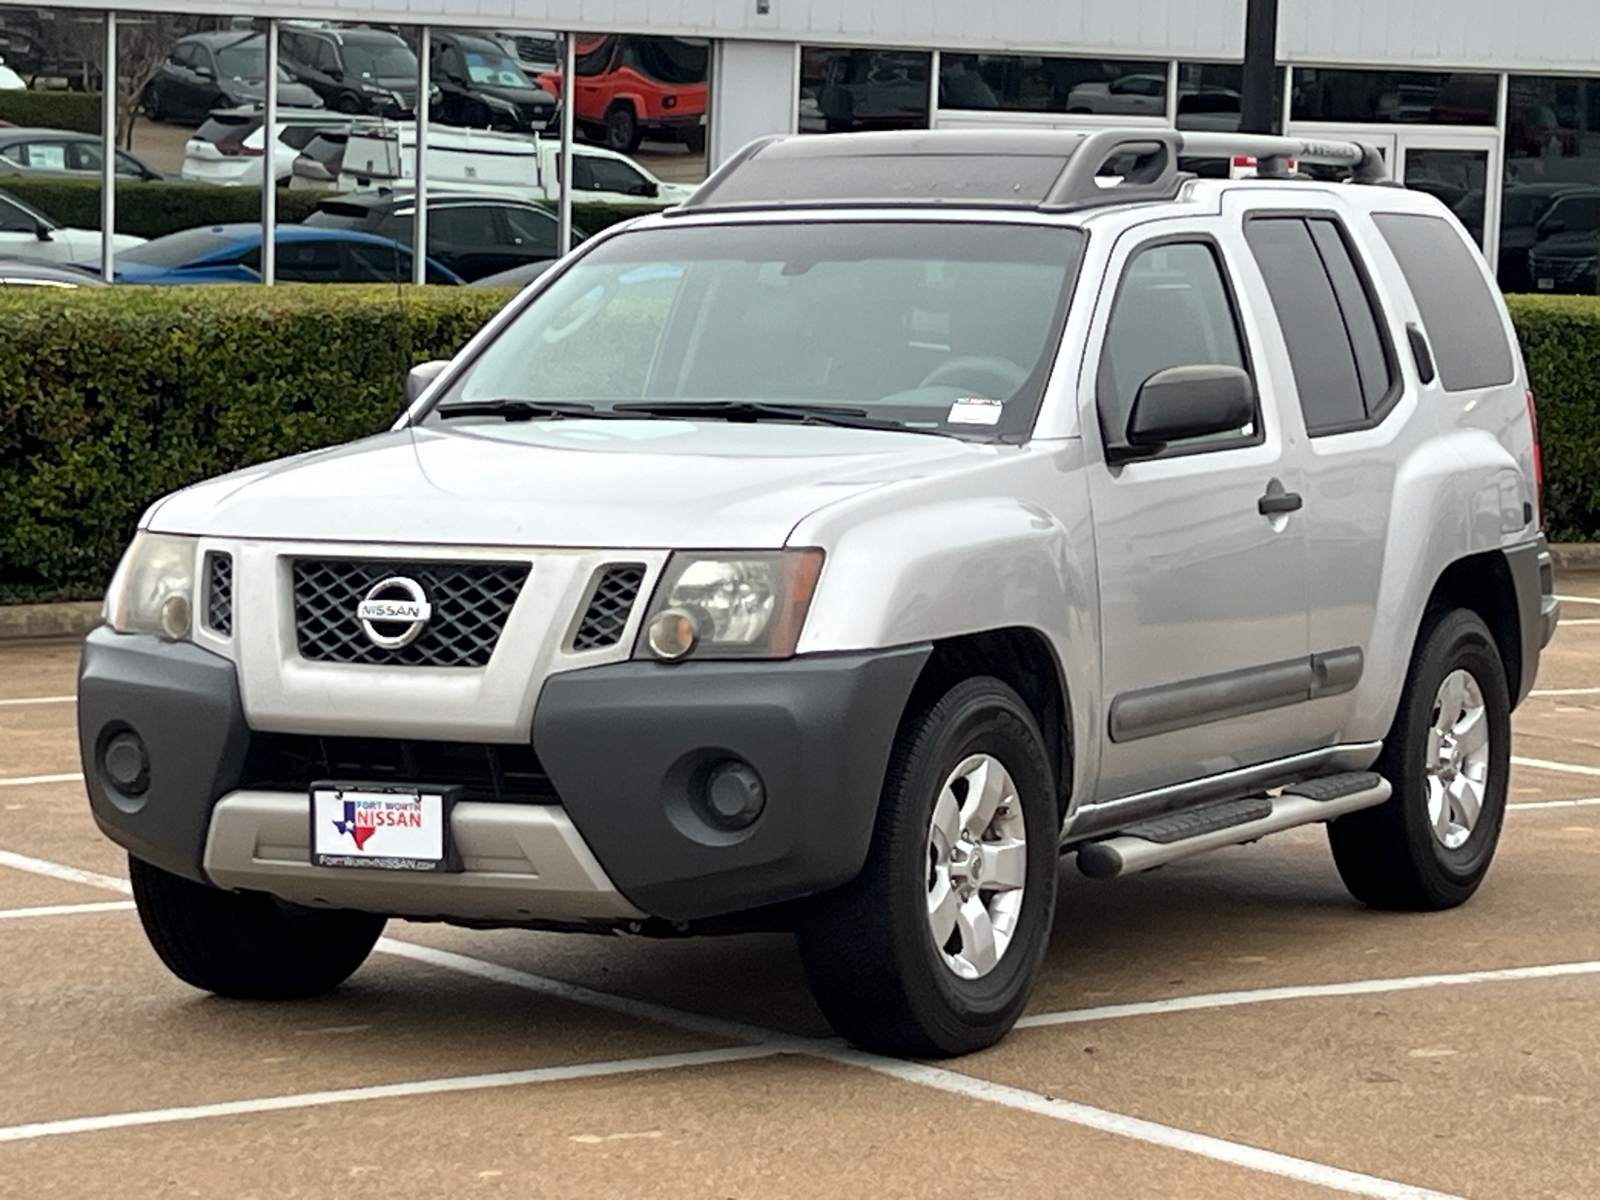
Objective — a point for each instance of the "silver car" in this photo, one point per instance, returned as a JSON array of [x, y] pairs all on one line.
[[838, 550]]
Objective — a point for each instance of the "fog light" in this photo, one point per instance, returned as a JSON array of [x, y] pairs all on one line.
[[125, 764], [175, 617], [672, 634], [734, 794]]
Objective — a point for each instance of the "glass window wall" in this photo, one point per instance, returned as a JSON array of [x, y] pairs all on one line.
[[1393, 97], [1550, 209]]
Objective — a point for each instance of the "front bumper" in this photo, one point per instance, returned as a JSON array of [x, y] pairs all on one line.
[[623, 745]]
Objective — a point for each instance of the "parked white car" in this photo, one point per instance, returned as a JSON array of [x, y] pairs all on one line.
[[228, 148], [508, 164], [10, 81], [25, 232]]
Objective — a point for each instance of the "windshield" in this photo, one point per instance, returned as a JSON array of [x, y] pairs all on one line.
[[380, 62], [499, 69], [936, 326]]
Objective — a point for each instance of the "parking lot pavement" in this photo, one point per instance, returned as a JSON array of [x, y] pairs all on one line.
[[1234, 1025]]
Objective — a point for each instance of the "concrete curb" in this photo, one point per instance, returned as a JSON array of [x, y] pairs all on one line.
[[77, 618], [1576, 556], [73, 619]]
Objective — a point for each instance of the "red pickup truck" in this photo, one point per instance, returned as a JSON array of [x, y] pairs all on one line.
[[630, 88]]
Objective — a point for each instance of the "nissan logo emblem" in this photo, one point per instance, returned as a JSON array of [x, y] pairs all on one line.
[[394, 612]]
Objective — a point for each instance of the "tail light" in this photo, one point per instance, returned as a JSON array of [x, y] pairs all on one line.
[[1538, 464], [238, 150]]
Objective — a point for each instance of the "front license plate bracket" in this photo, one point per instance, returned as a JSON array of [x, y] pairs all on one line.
[[382, 826]]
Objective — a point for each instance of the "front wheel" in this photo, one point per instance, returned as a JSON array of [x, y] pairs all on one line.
[[247, 945], [932, 950], [1448, 756], [622, 130]]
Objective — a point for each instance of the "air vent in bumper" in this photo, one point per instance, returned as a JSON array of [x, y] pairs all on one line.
[[616, 589], [219, 592]]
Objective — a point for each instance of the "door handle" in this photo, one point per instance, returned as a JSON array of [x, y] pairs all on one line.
[[1276, 501]]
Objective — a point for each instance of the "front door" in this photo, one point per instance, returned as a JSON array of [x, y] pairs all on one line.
[[1202, 586]]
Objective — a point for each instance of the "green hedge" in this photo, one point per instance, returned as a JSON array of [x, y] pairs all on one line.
[[113, 397], [1561, 341], [110, 398], [77, 111], [151, 210]]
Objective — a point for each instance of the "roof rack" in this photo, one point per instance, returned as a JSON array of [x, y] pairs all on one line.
[[1042, 170]]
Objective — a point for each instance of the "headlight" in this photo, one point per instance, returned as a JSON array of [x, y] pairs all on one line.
[[153, 589], [730, 605]]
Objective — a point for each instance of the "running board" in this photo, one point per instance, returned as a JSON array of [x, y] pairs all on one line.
[[1229, 822]]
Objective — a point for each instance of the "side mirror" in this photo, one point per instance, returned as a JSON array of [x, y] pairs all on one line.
[[1189, 402], [650, 190], [205, 73], [42, 232], [420, 376], [335, 74], [1550, 228]]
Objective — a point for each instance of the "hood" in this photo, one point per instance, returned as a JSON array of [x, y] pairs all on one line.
[[522, 97], [613, 484], [1583, 243], [290, 95]]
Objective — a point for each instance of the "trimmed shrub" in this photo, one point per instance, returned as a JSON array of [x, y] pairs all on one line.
[[113, 397], [152, 210], [76, 111], [1561, 340]]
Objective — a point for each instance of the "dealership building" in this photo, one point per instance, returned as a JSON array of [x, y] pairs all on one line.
[[1492, 106]]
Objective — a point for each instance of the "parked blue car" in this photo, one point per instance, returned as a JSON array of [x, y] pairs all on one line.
[[232, 254]]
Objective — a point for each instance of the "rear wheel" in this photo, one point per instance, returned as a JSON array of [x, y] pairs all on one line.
[[695, 140], [349, 103], [247, 945], [1448, 756], [933, 948], [622, 130], [151, 103]]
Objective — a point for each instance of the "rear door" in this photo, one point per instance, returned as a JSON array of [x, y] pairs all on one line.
[[1205, 661], [1344, 377]]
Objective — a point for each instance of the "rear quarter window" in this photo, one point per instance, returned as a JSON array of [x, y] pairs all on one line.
[[1459, 312]]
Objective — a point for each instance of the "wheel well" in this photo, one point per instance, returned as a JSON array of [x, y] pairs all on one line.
[[1021, 658], [1482, 583], [622, 103]]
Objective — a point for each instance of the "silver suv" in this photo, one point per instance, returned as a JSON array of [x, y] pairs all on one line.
[[836, 551]]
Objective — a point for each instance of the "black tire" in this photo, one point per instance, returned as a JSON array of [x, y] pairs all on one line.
[[868, 949], [246, 945], [349, 103], [622, 130], [151, 103], [1389, 856], [695, 140]]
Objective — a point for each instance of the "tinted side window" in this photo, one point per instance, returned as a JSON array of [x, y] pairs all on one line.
[[14, 219], [1459, 312], [1172, 310], [609, 175], [462, 226], [1341, 364], [535, 232], [1362, 321]]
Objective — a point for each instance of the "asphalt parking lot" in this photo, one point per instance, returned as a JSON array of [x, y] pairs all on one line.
[[1233, 1026]]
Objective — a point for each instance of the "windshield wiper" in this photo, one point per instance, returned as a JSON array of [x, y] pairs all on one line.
[[518, 410], [759, 410]]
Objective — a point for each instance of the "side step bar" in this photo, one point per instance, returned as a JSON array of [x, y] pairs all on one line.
[[1230, 822]]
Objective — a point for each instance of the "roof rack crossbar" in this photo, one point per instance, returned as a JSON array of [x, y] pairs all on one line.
[[1271, 153]]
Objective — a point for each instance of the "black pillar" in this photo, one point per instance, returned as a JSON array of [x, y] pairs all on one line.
[[1256, 113]]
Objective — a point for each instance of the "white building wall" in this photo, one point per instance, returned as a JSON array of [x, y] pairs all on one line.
[[753, 93], [1535, 35]]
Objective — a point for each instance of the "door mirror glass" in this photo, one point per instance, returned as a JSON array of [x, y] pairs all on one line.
[[205, 72], [1190, 402], [420, 376]]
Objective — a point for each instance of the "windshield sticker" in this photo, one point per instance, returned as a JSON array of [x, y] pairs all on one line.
[[975, 410]]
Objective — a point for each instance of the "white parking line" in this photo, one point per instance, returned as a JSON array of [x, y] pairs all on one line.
[[1577, 600], [65, 910], [1266, 1161], [766, 1043], [24, 780], [19, 700], [1583, 691], [1544, 764], [387, 1091], [1580, 621], [1359, 987], [1584, 803], [39, 866]]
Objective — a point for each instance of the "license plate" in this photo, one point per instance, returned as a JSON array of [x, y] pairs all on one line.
[[1547, 285], [388, 828]]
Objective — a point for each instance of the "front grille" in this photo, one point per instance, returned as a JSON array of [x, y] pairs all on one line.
[[290, 762], [219, 592], [1562, 270], [470, 603], [615, 590]]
